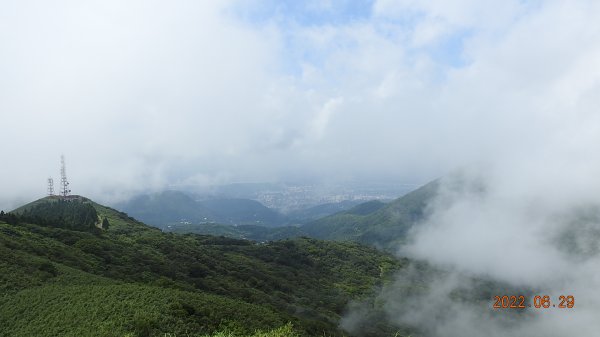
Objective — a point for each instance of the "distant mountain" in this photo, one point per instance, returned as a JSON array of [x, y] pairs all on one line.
[[366, 207], [242, 212], [165, 207], [319, 211], [171, 207], [375, 223]]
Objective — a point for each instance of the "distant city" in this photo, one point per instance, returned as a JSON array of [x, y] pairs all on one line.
[[289, 197]]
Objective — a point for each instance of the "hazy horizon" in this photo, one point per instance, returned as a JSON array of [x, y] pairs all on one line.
[[144, 95]]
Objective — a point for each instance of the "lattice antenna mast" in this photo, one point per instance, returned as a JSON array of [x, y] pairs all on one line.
[[50, 186], [64, 184]]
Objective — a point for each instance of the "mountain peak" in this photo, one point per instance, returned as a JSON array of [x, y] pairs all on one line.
[[119, 221]]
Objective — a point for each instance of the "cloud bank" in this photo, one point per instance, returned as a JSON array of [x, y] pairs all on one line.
[[145, 94], [520, 111]]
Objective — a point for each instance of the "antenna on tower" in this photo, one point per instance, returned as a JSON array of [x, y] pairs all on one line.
[[64, 184], [50, 186]]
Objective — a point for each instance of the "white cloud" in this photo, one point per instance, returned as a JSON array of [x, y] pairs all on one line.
[[149, 93]]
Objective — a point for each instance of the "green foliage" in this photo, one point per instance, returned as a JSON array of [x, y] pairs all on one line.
[[283, 331], [133, 279], [366, 207], [118, 309], [248, 232], [10, 218], [315, 212], [75, 214], [105, 223], [374, 224]]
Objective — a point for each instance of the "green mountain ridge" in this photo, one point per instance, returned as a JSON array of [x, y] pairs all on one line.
[[374, 223], [315, 212], [132, 279]]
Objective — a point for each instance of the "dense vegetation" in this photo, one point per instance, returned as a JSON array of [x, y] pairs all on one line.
[[133, 279], [374, 223], [249, 232], [73, 213]]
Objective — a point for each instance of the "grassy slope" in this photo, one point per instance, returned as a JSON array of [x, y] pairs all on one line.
[[133, 278], [118, 309]]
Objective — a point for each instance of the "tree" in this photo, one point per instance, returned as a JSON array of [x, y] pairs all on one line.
[[105, 223]]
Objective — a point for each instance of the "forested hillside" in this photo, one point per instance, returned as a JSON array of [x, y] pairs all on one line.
[[374, 223], [133, 279]]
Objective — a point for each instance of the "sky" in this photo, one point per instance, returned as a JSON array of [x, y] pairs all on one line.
[[144, 95]]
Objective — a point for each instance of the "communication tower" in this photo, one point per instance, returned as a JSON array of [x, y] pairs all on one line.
[[50, 186], [64, 184]]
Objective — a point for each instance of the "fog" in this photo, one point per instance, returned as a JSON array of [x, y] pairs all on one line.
[[484, 225], [524, 111], [142, 95], [545, 240]]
